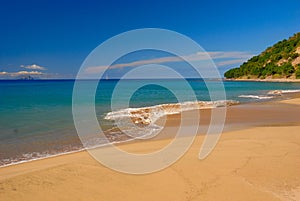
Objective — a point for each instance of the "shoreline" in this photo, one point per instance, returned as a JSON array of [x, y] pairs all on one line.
[[254, 162], [176, 117], [264, 80]]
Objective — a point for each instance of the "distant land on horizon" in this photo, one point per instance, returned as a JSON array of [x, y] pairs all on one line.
[[280, 62]]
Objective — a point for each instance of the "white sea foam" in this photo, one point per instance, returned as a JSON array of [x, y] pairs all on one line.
[[256, 97], [271, 94], [279, 92], [148, 115], [144, 116], [27, 157], [290, 91], [33, 156]]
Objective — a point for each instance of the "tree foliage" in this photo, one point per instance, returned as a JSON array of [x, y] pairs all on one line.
[[297, 72], [275, 61]]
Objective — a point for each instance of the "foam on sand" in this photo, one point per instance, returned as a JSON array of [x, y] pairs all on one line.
[[148, 115], [256, 97], [279, 92]]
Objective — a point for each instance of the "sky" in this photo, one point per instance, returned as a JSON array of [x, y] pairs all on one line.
[[51, 39]]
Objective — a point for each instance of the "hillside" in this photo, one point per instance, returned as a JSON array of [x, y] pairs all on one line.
[[281, 61]]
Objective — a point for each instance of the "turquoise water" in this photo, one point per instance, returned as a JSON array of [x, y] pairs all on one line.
[[36, 116]]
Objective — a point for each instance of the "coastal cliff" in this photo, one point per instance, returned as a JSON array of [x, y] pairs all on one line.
[[281, 62]]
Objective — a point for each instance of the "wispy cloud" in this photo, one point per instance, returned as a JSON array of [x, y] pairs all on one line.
[[33, 67], [233, 57], [231, 54], [33, 70], [20, 73], [230, 62]]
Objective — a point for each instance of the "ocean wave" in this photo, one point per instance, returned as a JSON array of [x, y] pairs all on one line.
[[139, 123], [149, 115], [279, 92], [33, 156], [291, 91], [146, 116], [256, 97]]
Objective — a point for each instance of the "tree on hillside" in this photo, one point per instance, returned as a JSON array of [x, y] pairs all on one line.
[[275, 61]]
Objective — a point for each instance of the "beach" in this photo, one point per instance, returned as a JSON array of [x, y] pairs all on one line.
[[149, 101], [255, 161]]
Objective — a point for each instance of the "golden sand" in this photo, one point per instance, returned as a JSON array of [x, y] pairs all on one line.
[[258, 163]]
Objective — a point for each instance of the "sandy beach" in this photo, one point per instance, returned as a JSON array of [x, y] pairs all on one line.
[[266, 80], [149, 101], [258, 160]]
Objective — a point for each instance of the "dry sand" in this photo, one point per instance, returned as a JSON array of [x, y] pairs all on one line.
[[256, 163]]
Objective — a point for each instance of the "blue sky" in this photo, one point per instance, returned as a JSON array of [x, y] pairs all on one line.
[[59, 35]]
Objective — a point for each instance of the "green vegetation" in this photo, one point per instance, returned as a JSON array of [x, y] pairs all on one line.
[[274, 62], [297, 72]]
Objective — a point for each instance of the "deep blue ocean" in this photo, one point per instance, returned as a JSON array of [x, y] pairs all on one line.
[[36, 115]]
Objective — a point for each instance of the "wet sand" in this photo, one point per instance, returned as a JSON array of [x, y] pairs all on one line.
[[256, 158]]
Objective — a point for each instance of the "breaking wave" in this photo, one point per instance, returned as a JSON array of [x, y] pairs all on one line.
[[256, 97], [279, 92], [148, 115], [139, 123], [271, 94]]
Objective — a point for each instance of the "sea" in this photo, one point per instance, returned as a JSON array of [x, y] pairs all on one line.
[[36, 118]]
